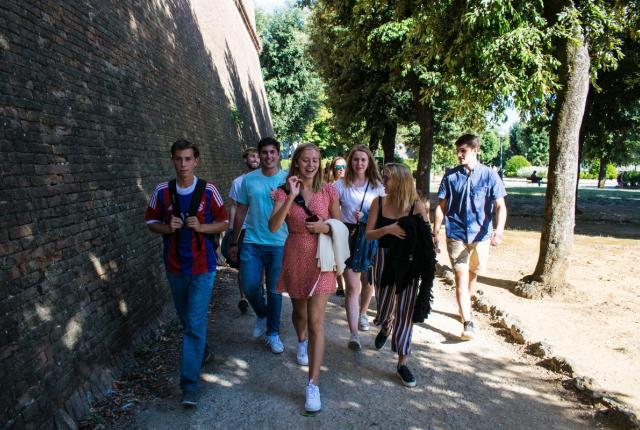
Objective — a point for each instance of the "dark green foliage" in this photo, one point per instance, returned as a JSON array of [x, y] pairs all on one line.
[[293, 87]]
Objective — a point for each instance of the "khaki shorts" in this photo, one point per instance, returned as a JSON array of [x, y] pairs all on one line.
[[468, 256]]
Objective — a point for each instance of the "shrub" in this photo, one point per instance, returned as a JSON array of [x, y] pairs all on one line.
[[611, 172], [525, 172], [515, 163], [632, 179]]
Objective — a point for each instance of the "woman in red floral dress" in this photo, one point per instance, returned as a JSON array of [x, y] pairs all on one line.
[[304, 204]]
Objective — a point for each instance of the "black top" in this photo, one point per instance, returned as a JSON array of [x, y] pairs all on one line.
[[387, 240]]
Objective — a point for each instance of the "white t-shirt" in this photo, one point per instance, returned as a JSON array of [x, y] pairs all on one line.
[[235, 187], [351, 198]]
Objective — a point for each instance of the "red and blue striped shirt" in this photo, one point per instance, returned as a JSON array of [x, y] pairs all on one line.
[[192, 259]]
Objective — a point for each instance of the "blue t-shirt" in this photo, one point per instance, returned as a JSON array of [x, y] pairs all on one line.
[[470, 198], [255, 192]]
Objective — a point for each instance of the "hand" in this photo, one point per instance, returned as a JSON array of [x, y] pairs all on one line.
[[233, 253], [496, 237], [436, 243], [317, 227], [358, 215], [193, 223], [395, 230], [294, 186], [175, 223]]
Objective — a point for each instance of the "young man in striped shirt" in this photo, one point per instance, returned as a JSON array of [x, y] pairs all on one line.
[[189, 255]]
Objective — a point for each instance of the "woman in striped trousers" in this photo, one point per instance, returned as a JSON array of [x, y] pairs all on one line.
[[395, 302]]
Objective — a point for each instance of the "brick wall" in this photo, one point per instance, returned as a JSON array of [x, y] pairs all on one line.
[[92, 93]]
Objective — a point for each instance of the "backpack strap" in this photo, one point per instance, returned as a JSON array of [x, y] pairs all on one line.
[[196, 198]]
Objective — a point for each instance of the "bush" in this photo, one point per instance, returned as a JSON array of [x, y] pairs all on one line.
[[594, 169], [515, 163], [631, 179], [525, 172]]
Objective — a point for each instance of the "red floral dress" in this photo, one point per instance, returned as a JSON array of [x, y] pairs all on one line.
[[300, 272]]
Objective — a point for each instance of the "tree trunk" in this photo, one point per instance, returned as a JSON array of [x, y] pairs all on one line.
[[425, 153], [389, 141], [374, 140], [602, 173], [556, 241]]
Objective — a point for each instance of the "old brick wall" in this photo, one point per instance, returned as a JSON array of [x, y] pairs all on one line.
[[92, 93]]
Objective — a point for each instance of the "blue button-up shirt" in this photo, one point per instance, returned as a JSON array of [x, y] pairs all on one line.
[[470, 198]]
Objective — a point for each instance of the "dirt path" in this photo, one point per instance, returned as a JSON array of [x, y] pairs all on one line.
[[487, 383]]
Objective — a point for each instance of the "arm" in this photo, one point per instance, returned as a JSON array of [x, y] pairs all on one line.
[[238, 220], [279, 213], [323, 226], [232, 213], [438, 217], [162, 228], [500, 209], [372, 233]]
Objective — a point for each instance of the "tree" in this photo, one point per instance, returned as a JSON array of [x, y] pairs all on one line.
[[612, 120], [531, 141], [292, 85], [489, 147], [541, 55]]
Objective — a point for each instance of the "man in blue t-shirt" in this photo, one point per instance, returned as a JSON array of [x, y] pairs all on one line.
[[470, 195], [261, 249]]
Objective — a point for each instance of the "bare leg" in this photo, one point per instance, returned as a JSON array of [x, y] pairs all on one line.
[[462, 294], [367, 293], [402, 360], [354, 286], [299, 318], [316, 307]]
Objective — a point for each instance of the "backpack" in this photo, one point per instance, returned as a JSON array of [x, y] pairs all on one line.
[[196, 197]]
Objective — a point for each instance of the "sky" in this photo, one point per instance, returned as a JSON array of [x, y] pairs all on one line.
[[270, 5]]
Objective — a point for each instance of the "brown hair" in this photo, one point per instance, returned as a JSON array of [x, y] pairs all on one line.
[[294, 169], [248, 151], [182, 144], [372, 174], [402, 193], [470, 140]]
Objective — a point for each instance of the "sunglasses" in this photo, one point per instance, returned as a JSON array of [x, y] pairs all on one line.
[[311, 217], [340, 167]]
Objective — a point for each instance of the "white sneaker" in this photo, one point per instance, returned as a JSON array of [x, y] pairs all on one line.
[[312, 398], [354, 343], [275, 344], [302, 356], [260, 328], [363, 323]]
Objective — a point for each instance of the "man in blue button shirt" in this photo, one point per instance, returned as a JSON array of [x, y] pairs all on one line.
[[470, 196]]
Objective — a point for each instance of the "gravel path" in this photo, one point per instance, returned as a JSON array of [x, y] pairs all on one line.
[[484, 384]]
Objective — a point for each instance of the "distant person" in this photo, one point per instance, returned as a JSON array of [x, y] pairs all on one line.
[[189, 255], [535, 179], [359, 187], [468, 199], [335, 171], [305, 203], [262, 249], [251, 160]]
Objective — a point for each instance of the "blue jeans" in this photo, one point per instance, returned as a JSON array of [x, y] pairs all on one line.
[[254, 259], [191, 295]]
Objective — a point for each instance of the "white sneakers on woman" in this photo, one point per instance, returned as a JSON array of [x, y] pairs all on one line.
[[312, 398], [302, 357]]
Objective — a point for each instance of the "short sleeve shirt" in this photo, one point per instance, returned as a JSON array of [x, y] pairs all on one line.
[[255, 192], [187, 257], [351, 198], [470, 198], [235, 189]]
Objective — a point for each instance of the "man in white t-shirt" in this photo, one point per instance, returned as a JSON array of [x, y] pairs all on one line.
[[252, 161]]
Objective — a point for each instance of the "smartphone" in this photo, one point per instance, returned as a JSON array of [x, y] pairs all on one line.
[[313, 218]]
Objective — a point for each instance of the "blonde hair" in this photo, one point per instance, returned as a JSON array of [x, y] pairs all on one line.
[[331, 176], [402, 193], [294, 169], [372, 174]]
